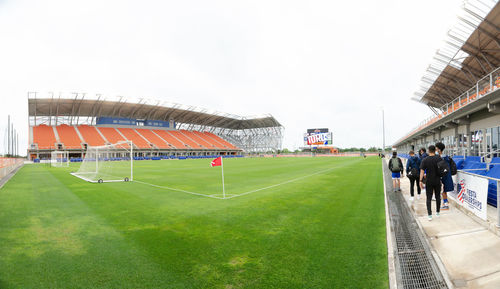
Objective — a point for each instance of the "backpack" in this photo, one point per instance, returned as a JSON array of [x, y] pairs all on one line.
[[414, 172], [453, 167], [443, 168], [395, 165]]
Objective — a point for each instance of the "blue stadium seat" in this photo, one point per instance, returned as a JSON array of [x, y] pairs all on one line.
[[472, 159], [494, 172]]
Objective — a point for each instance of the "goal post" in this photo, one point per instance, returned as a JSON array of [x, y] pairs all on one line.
[[59, 158], [108, 163]]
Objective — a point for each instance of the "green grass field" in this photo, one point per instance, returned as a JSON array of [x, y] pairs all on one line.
[[323, 230]]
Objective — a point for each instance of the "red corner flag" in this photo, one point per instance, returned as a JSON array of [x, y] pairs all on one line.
[[216, 162]]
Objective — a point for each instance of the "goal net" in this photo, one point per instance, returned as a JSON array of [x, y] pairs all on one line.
[[59, 159], [108, 163]]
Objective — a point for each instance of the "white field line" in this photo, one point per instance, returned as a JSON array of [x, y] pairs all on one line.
[[282, 183], [177, 190], [245, 193]]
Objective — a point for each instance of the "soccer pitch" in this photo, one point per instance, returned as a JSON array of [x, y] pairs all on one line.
[[292, 223]]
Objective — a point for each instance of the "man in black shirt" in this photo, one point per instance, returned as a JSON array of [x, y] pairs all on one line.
[[433, 181]]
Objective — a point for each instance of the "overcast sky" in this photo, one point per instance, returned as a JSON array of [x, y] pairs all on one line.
[[310, 64]]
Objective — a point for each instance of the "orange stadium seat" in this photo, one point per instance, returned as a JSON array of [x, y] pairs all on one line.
[[153, 138], [138, 141], [182, 137], [170, 139], [111, 134], [44, 136], [197, 139], [497, 82], [221, 140], [68, 137], [212, 142], [90, 135]]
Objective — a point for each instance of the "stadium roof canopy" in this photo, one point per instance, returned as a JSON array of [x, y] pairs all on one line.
[[471, 51], [80, 106]]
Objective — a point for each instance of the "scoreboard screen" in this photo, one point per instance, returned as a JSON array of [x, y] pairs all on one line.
[[318, 137]]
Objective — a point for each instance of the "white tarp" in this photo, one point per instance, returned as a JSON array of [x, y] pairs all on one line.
[[471, 192]]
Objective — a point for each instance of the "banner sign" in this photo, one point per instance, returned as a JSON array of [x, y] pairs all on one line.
[[318, 137], [471, 192]]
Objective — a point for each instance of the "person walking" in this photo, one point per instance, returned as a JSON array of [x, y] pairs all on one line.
[[413, 173], [446, 180], [432, 182], [396, 167], [422, 154]]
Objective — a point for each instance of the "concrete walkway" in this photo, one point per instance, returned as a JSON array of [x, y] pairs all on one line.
[[466, 248]]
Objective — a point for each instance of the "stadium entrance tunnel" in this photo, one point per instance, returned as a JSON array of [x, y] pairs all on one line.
[[414, 265]]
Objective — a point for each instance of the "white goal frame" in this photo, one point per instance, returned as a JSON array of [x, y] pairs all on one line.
[[57, 158], [85, 175]]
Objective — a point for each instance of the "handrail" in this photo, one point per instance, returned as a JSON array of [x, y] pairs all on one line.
[[489, 153], [462, 100]]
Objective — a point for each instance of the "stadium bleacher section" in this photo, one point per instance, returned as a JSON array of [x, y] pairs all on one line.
[[44, 137], [170, 139], [153, 138], [68, 136], [90, 135], [149, 142]]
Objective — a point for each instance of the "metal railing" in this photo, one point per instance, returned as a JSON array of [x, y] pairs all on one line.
[[484, 86]]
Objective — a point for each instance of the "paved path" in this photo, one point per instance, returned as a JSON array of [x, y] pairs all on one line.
[[468, 251]]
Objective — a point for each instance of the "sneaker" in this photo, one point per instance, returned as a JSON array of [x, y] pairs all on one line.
[[429, 218], [445, 207], [433, 198], [411, 199], [418, 197], [437, 214]]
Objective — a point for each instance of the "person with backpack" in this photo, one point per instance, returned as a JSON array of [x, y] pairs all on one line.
[[433, 180], [413, 173], [446, 179], [396, 167]]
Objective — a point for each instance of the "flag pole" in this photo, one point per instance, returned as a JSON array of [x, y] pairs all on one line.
[[223, 189]]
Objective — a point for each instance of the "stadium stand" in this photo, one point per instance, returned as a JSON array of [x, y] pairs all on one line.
[[90, 135], [221, 140], [153, 138], [111, 134], [133, 136], [197, 139], [68, 137], [44, 137], [170, 139], [158, 131], [185, 139], [211, 142]]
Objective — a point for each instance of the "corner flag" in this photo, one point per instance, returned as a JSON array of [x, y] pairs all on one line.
[[216, 162]]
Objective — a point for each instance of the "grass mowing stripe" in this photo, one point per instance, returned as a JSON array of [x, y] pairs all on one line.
[[177, 190], [325, 231], [283, 183]]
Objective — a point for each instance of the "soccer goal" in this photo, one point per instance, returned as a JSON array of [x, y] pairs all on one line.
[[59, 159], [108, 163]]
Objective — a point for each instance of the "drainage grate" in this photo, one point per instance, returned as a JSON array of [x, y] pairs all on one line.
[[415, 266]]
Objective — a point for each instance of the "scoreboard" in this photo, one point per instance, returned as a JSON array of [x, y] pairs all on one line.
[[318, 137]]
